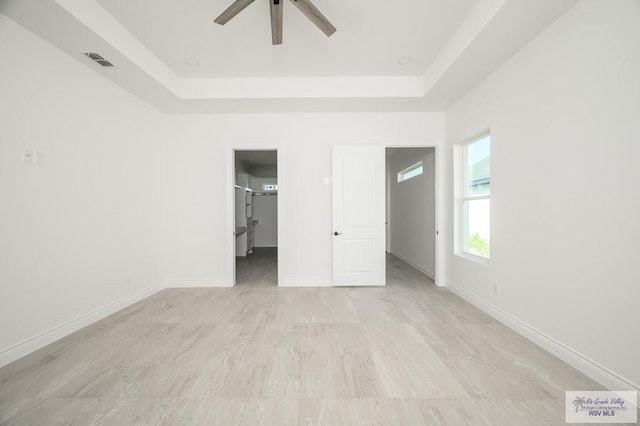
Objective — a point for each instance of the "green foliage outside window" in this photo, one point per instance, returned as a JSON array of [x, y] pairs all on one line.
[[479, 246]]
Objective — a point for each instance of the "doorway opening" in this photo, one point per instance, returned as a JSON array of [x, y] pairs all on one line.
[[410, 213], [256, 217]]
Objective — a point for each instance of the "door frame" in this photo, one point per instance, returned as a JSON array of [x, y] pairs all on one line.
[[439, 278], [231, 205]]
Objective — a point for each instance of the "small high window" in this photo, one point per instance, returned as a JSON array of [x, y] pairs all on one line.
[[411, 172]]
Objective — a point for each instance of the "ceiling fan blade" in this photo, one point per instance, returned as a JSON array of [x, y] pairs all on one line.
[[276, 21], [237, 7], [312, 12]]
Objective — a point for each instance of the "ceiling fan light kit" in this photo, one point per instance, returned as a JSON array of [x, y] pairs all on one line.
[[305, 6]]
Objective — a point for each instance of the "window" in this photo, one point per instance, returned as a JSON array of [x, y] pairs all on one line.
[[474, 195], [269, 187], [410, 172]]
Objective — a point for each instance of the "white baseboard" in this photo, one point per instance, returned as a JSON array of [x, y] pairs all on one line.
[[585, 365], [415, 265], [305, 283], [197, 283], [41, 340]]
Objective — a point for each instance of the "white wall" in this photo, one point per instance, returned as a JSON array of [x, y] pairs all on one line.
[[564, 115], [80, 232], [256, 182], [412, 208], [196, 217], [265, 210], [264, 171]]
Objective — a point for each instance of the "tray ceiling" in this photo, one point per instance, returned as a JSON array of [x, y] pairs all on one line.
[[452, 45]]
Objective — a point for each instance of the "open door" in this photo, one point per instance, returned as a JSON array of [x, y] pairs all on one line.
[[358, 215]]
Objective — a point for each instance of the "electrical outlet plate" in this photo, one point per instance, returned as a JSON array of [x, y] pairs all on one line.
[[38, 158], [27, 156]]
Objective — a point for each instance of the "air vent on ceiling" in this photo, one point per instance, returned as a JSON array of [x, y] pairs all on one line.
[[97, 58]]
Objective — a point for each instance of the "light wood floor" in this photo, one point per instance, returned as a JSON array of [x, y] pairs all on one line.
[[406, 354]]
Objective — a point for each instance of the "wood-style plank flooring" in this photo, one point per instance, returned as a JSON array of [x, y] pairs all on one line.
[[406, 354]]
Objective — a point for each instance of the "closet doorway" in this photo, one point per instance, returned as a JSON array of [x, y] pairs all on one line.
[[256, 217]]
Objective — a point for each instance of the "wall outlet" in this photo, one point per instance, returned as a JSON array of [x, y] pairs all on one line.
[[38, 158], [496, 288]]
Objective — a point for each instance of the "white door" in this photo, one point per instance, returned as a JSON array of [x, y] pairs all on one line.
[[358, 216]]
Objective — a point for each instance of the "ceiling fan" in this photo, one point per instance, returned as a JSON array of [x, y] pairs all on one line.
[[305, 6]]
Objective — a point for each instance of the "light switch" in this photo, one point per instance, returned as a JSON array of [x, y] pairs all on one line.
[[27, 156]]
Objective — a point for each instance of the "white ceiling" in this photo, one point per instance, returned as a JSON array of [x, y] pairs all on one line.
[[454, 45], [372, 35]]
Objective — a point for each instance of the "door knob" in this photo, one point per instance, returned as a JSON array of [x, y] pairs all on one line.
[[337, 233]]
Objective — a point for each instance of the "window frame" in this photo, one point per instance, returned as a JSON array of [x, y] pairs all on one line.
[[463, 197]]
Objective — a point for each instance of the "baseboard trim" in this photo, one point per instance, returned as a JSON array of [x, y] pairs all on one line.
[[305, 283], [45, 338], [580, 362], [415, 265], [197, 283]]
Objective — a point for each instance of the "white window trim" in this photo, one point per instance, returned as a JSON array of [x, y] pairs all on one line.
[[460, 161]]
